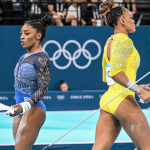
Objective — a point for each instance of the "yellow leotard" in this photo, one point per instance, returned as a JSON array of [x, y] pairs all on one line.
[[123, 57]]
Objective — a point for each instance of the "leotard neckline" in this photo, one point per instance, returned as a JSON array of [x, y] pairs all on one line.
[[32, 54]]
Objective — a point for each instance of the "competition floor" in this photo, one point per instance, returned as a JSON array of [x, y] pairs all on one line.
[[58, 123]]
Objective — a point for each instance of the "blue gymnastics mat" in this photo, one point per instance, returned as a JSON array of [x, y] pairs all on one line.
[[59, 122]]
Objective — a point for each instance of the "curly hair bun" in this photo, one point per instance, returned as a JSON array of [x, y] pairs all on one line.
[[106, 7], [47, 20]]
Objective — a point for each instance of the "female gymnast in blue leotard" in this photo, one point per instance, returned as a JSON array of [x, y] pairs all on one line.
[[32, 75]]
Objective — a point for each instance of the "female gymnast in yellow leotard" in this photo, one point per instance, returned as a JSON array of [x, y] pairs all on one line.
[[120, 63]]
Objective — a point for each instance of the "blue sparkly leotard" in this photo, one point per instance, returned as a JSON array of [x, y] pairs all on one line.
[[32, 75]]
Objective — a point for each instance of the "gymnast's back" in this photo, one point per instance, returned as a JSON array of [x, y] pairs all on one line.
[[123, 57]]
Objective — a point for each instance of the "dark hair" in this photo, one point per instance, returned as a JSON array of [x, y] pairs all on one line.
[[41, 24], [62, 82], [111, 11]]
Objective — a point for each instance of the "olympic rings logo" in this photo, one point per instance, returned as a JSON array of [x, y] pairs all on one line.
[[76, 55]]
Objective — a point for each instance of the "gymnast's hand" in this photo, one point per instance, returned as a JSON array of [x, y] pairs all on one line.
[[144, 93], [14, 110], [146, 88]]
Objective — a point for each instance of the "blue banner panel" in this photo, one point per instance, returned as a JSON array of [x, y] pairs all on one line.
[[64, 101], [7, 98], [76, 100], [58, 101], [75, 52]]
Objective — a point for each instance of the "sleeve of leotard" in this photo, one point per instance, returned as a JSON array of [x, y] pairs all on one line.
[[42, 66], [119, 55]]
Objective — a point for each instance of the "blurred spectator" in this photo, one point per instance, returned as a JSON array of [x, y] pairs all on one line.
[[85, 13], [6, 9], [93, 15], [58, 9], [0, 12], [17, 4], [74, 14], [34, 9], [63, 86], [17, 12], [118, 2], [130, 4]]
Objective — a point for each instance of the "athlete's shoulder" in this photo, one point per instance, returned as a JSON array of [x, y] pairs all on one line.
[[42, 59], [21, 57], [43, 55], [125, 43], [125, 38], [122, 41]]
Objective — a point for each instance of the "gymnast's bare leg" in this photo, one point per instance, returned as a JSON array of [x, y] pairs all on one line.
[[26, 129], [107, 130], [134, 122], [131, 118]]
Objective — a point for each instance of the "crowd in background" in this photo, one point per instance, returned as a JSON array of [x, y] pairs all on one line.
[[64, 12]]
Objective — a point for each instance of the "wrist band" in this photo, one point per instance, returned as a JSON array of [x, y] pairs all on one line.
[[26, 105], [31, 102], [133, 87]]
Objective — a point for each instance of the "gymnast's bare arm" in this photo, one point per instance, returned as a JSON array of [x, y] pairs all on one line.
[[122, 79]]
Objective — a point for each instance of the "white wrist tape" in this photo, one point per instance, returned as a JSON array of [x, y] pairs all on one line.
[[25, 106], [133, 87], [10, 111]]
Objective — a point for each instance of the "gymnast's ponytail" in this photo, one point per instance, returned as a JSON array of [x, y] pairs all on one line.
[[47, 20]]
